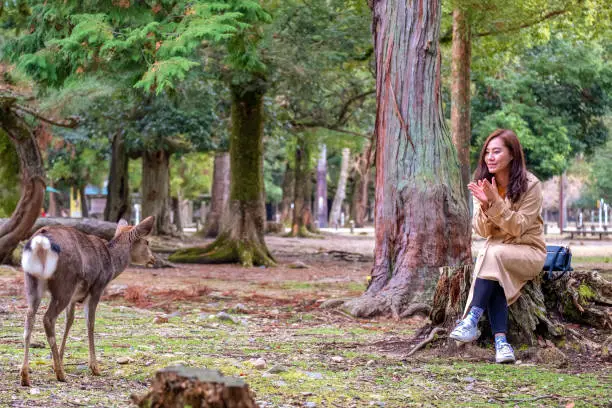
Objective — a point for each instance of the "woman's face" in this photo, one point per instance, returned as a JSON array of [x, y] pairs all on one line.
[[497, 156]]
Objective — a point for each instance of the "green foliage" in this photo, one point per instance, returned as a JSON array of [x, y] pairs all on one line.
[[191, 175], [554, 97], [600, 180], [156, 43], [9, 176], [76, 159], [135, 175]]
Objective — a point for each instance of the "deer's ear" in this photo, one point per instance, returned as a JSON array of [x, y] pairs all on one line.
[[122, 223], [146, 226]]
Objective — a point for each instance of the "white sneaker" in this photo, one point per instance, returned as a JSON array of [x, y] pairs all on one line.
[[504, 352], [465, 332]]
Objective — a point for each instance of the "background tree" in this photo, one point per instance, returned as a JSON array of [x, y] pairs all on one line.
[[70, 41], [321, 53], [246, 75], [555, 96], [495, 32]]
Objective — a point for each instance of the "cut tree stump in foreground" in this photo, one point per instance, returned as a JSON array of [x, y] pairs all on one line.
[[179, 386]]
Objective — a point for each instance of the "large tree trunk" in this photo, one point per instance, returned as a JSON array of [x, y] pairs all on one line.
[[288, 195], [334, 214], [422, 221], [321, 201], [242, 239], [220, 195], [460, 94], [302, 211], [32, 181], [118, 198], [156, 190]]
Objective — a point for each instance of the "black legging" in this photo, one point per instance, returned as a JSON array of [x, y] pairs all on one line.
[[490, 296]]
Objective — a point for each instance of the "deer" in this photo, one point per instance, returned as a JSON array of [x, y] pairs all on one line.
[[74, 267]]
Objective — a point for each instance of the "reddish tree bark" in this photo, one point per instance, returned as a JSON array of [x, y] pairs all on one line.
[[421, 217], [460, 93]]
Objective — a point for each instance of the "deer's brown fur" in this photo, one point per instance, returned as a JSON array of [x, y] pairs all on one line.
[[85, 265]]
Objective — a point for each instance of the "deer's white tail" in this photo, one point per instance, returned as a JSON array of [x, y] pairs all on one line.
[[40, 257]]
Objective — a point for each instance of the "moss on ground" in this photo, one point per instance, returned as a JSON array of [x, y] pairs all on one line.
[[318, 356]]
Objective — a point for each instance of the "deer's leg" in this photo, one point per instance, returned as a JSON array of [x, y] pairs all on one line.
[[90, 311], [56, 306], [34, 290], [69, 320]]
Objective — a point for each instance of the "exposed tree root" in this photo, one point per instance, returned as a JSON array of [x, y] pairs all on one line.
[[349, 256], [397, 303], [415, 308], [430, 338], [226, 250], [302, 232]]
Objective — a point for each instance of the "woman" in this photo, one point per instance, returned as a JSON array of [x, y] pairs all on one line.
[[507, 208]]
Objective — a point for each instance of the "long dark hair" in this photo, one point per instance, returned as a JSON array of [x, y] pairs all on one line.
[[518, 171]]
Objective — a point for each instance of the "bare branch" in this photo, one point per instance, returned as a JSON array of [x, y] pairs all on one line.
[[547, 16], [71, 122]]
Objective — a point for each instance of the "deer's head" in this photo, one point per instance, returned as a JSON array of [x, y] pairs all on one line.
[[140, 253]]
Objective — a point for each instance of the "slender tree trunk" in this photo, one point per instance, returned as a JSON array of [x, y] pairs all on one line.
[[321, 201], [334, 215], [32, 182], [460, 94], [176, 213], [302, 211], [118, 199], [220, 195], [362, 184], [156, 189], [422, 221], [242, 239], [53, 207], [84, 208], [288, 195]]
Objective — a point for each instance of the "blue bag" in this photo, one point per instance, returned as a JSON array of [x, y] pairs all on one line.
[[558, 259]]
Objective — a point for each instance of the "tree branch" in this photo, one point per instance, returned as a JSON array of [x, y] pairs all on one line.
[[547, 16], [71, 122], [344, 110], [447, 37]]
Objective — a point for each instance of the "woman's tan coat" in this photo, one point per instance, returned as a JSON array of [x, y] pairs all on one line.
[[515, 250]]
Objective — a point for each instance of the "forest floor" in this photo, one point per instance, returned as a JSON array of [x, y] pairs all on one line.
[[227, 317]]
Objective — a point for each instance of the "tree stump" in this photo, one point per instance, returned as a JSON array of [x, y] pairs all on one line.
[[193, 387], [541, 311]]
